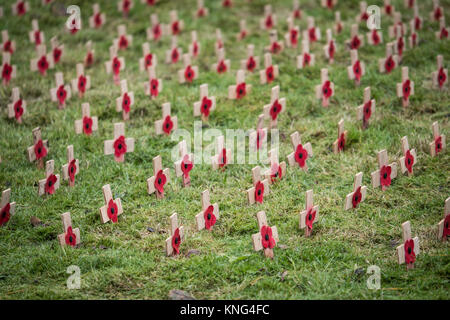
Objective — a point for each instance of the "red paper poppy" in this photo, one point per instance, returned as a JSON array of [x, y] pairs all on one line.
[[201, 12], [5, 214], [116, 65], [409, 161], [389, 64], [82, 83], [160, 181], [221, 67], [18, 109], [112, 211], [269, 22], [364, 16], [444, 34], [87, 125], [300, 155], [357, 197], [175, 28], [157, 32], [61, 94], [357, 70], [37, 37], [438, 144], [251, 64], [176, 241], [123, 42], [241, 90], [7, 72], [297, 14], [400, 45], [276, 172], [437, 13], [126, 102], [445, 233], [375, 37], [259, 192], [189, 74], [310, 217], [417, 23], [42, 65], [7, 46], [227, 3], [219, 44], [326, 89], [186, 166], [259, 137], [195, 48], [411, 4], [243, 34], [148, 60], [331, 49], [126, 4], [339, 27], [39, 150], [223, 158], [120, 146], [21, 10], [367, 110], [270, 74], [72, 170], [50, 184], [275, 109], [388, 9], [355, 43], [441, 77], [70, 237], [312, 34], [98, 20], [330, 4], [410, 255], [414, 39], [175, 55], [57, 54], [406, 89], [385, 176], [151, 2], [306, 59], [167, 125], [267, 239], [341, 142], [206, 106], [89, 58], [154, 84], [210, 218]]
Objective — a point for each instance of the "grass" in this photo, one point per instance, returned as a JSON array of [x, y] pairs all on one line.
[[126, 261]]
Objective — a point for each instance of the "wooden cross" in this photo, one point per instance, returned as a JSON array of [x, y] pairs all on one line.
[[437, 12], [125, 6], [176, 26], [7, 208], [277, 170], [185, 164], [124, 40], [413, 38], [301, 152], [177, 236], [43, 61], [339, 143], [194, 46], [207, 218], [223, 156], [364, 111], [266, 238], [382, 177], [115, 64], [125, 101], [156, 183], [174, 53], [405, 89], [148, 59], [70, 236], [363, 15], [57, 49], [51, 182], [409, 157], [189, 73], [443, 32], [86, 124], [330, 48], [338, 24], [409, 3], [89, 58], [8, 71], [443, 225], [205, 105], [252, 61], [398, 28], [440, 77], [417, 18], [258, 138], [97, 19], [155, 31], [112, 208], [82, 81], [243, 31], [438, 143], [399, 44], [260, 189], [202, 11], [62, 92], [120, 145], [38, 151], [270, 71], [20, 7], [356, 41], [275, 46], [309, 216], [358, 195], [276, 106], [270, 20], [36, 36], [154, 85], [328, 3], [374, 37], [312, 33], [357, 69], [168, 123], [219, 41], [388, 8], [390, 62], [18, 107], [240, 89], [71, 168], [306, 58], [8, 45], [296, 11], [410, 248], [222, 65], [325, 90]]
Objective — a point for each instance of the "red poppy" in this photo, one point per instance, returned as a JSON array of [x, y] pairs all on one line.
[[306, 59], [98, 20], [310, 217], [330, 4], [148, 60], [50, 184], [367, 110], [251, 64], [210, 218], [259, 137], [388, 9], [126, 4], [206, 106], [116, 66], [312, 34], [126, 102], [175, 55], [195, 48], [331, 49], [7, 46], [112, 211], [441, 77], [243, 34], [57, 54], [70, 237], [154, 84], [241, 90], [201, 12], [223, 158], [18, 110], [267, 239], [167, 125], [89, 58], [276, 172], [339, 27], [270, 74], [39, 150], [21, 10], [355, 43], [123, 42], [120, 146], [438, 144], [417, 23], [444, 34], [7, 72], [341, 142], [275, 109], [72, 170], [37, 37], [437, 13], [364, 16], [259, 192], [157, 32], [82, 83], [221, 67], [175, 28], [409, 161], [400, 45], [269, 22], [151, 2], [297, 14], [385, 176], [5, 214], [186, 166], [410, 3], [227, 3], [414, 39], [61, 94], [160, 181], [219, 44], [410, 255], [87, 125], [445, 233], [357, 70], [176, 241], [389, 64], [326, 89], [189, 74], [357, 197], [275, 48], [301, 155], [406, 89], [42, 65], [375, 37]]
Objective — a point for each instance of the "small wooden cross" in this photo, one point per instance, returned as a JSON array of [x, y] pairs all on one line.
[[174, 53], [120, 145], [325, 90], [219, 41], [398, 29], [222, 65], [71, 168], [356, 41], [328, 4], [125, 101], [437, 12], [168, 123], [312, 33], [270, 71], [177, 236], [43, 62], [399, 44], [443, 225], [155, 31], [301, 152], [20, 7], [266, 238], [363, 15], [156, 183], [7, 44], [176, 25], [275, 46], [440, 77], [306, 58], [296, 11], [252, 62], [194, 46], [260, 189], [97, 19], [382, 177], [358, 195], [338, 24], [364, 111], [409, 157], [70, 236], [374, 37], [409, 3], [309, 216], [410, 248], [390, 62], [112, 208], [51, 182], [38, 151], [339, 143], [185, 164], [205, 105], [148, 59], [438, 143], [154, 85], [125, 6], [417, 18], [36, 36], [89, 58], [115, 64], [388, 8], [243, 31], [8, 71], [357, 69], [202, 11], [82, 81], [277, 170], [86, 124], [240, 89], [124, 40], [270, 20], [57, 49], [18, 107], [206, 219], [443, 32], [275, 107], [258, 137], [330, 48], [189, 73], [223, 156], [413, 38], [7, 208], [62, 92], [405, 89]]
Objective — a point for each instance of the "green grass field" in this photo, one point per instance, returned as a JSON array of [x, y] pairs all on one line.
[[126, 261]]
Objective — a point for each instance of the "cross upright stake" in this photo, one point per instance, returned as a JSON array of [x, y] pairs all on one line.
[[148, 59], [252, 62], [86, 124], [7, 208], [293, 34], [176, 25], [20, 7], [205, 105], [82, 81], [36, 36], [330, 48], [7, 44], [407, 251], [115, 65], [57, 49], [388, 8], [356, 41], [338, 24], [353, 199], [364, 111], [18, 107], [270, 71], [363, 15], [174, 53], [243, 31], [276, 106], [325, 90], [70, 237], [417, 19], [97, 19], [266, 238], [260, 189], [154, 85], [8, 71], [444, 225], [301, 152], [201, 10], [408, 160], [382, 177], [62, 92], [194, 46], [438, 143], [51, 182], [414, 37], [189, 73], [309, 216], [240, 89], [223, 156], [443, 32], [339, 143], [374, 37], [357, 69], [275, 46], [112, 208], [185, 164], [437, 12], [219, 41], [89, 58], [177, 236], [124, 40], [258, 138], [38, 151], [125, 101], [125, 6], [156, 183], [43, 61], [155, 31], [222, 65], [440, 77], [277, 170], [168, 123], [270, 20], [390, 62], [119, 145], [313, 32], [71, 168], [207, 218], [306, 58], [405, 89], [296, 11]]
